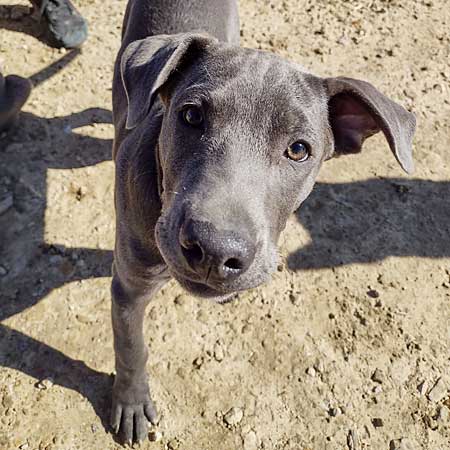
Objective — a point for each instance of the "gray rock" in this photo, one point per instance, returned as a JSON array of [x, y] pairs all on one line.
[[233, 416], [3, 271], [438, 392], [444, 413]]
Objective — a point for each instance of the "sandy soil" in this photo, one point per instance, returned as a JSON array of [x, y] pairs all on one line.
[[347, 348]]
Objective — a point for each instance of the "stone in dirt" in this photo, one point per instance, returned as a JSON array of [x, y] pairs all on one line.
[[155, 436], [438, 392], [353, 440], [233, 416], [377, 422], [401, 444], [378, 376]]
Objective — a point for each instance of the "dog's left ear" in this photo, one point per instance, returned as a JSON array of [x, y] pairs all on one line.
[[357, 110], [146, 65]]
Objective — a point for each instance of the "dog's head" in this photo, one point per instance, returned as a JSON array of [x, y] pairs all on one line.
[[243, 136]]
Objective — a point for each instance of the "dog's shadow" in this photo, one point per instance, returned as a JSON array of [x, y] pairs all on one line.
[[367, 221]]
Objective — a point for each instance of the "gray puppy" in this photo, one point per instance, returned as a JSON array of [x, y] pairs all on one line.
[[215, 146]]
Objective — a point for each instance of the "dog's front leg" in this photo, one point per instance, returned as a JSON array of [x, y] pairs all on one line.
[[131, 401]]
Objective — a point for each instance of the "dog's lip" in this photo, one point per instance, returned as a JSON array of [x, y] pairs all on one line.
[[204, 290]]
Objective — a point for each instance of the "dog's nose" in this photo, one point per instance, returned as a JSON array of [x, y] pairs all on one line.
[[215, 255]]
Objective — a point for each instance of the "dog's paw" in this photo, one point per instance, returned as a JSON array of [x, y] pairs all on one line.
[[132, 409]]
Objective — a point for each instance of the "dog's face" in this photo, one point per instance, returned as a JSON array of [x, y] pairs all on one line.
[[243, 136]]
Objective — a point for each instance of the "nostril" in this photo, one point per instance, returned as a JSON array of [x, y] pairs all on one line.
[[193, 253], [233, 264]]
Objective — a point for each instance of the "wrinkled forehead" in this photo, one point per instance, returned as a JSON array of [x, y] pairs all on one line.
[[257, 88]]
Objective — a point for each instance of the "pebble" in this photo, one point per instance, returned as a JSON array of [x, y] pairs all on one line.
[[423, 387], [250, 441], [198, 362], [295, 299], [334, 412], [444, 413], [438, 391], [353, 440], [378, 376], [377, 389], [377, 422], [400, 444], [219, 353], [233, 416], [174, 444], [83, 319], [24, 446], [3, 271], [47, 383], [6, 203], [311, 371], [155, 436], [372, 293]]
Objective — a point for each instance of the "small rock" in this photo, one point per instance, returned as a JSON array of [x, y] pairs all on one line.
[[155, 436], [250, 441], [334, 412], [47, 383], [6, 203], [353, 440], [401, 444], [83, 319], [94, 428], [24, 446], [444, 413], [174, 444], [423, 387], [377, 422], [295, 299], [377, 390], [3, 271], [311, 371], [378, 376], [198, 362], [438, 392], [219, 353], [319, 366], [372, 293], [233, 416]]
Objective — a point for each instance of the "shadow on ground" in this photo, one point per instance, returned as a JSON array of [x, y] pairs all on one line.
[[26, 153], [367, 221]]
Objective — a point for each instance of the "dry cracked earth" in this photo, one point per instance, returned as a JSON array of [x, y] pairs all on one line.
[[347, 348]]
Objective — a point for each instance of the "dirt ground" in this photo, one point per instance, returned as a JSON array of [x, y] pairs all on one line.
[[347, 348]]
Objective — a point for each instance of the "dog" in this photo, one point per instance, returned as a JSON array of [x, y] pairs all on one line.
[[215, 146]]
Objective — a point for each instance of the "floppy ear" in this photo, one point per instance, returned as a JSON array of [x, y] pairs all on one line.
[[357, 110], [147, 64]]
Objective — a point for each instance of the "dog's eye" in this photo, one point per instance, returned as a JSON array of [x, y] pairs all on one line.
[[192, 115], [299, 151]]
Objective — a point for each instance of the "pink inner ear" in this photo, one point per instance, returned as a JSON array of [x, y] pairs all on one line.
[[352, 122]]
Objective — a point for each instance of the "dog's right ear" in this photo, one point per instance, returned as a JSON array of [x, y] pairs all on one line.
[[146, 65]]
